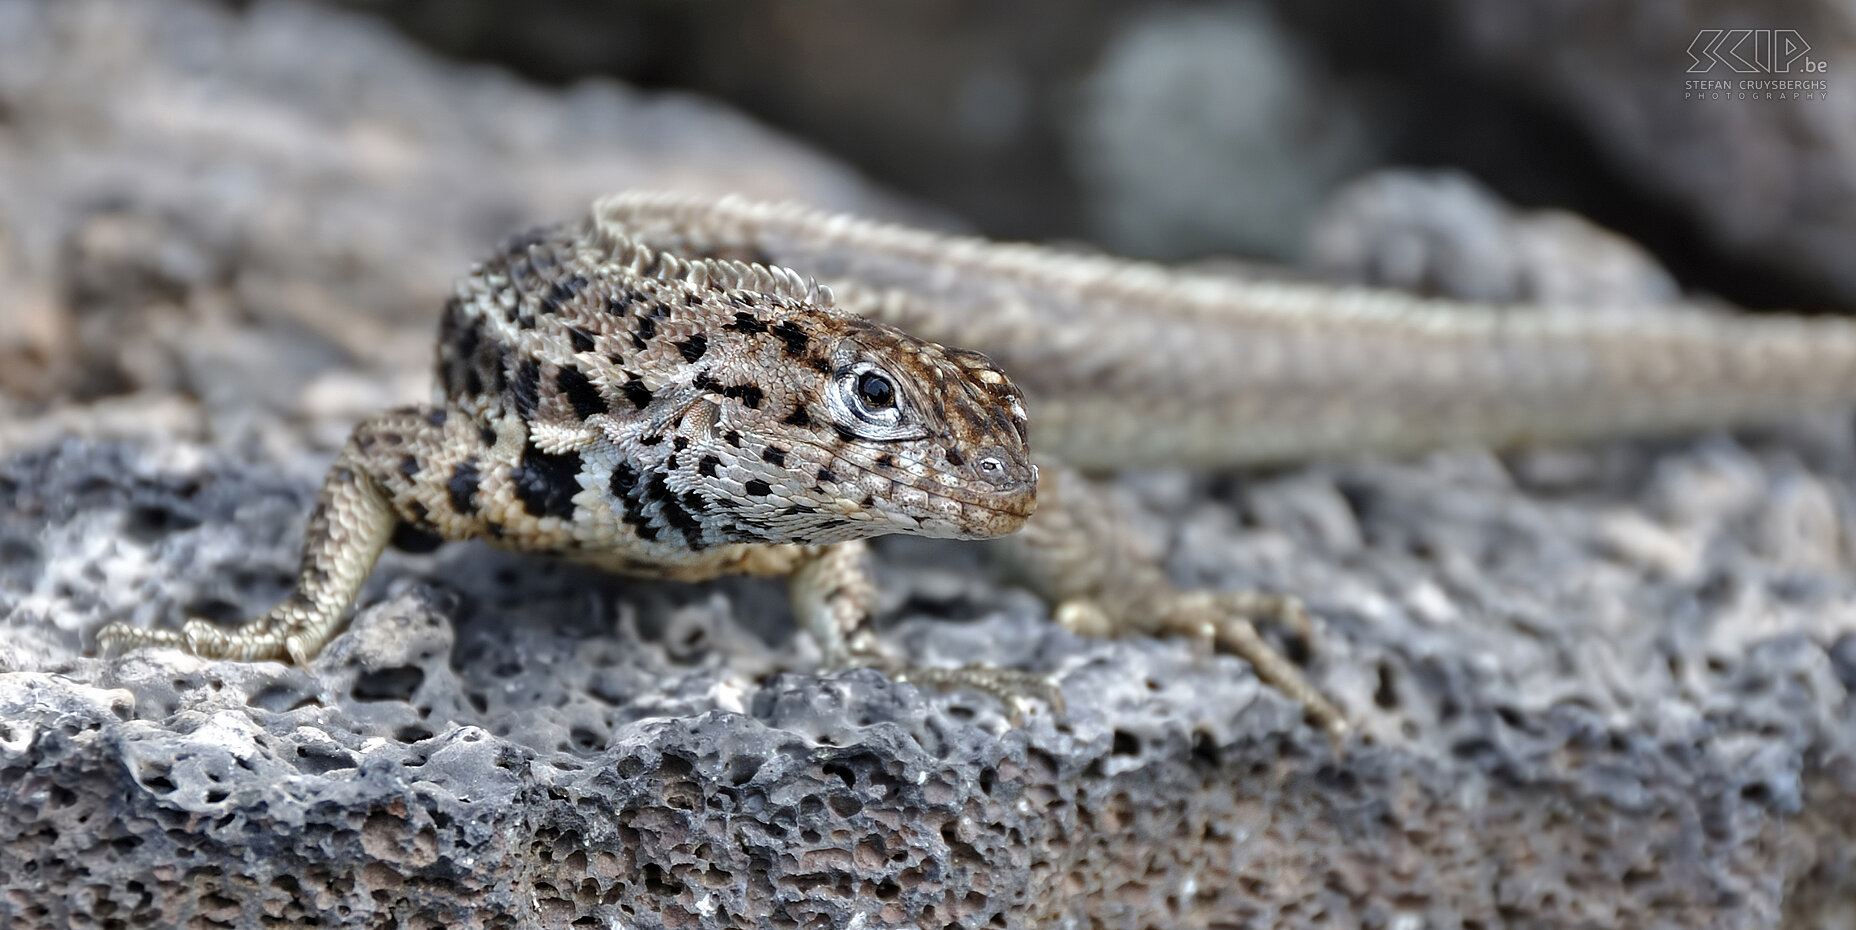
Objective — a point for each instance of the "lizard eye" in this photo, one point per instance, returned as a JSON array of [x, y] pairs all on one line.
[[865, 400], [875, 391]]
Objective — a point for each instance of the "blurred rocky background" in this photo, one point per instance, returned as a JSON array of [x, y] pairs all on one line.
[[1173, 129], [1166, 130], [1605, 686]]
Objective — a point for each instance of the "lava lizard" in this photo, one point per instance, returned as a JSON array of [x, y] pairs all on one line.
[[684, 388]]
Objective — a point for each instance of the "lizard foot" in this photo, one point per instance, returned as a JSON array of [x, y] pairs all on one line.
[[1013, 687], [1225, 620], [262, 639]]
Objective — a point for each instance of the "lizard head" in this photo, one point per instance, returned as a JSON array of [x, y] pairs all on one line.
[[820, 427], [943, 430]]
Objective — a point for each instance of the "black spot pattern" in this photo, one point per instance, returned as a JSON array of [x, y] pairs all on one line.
[[624, 487], [750, 395], [563, 291], [461, 336], [794, 338], [527, 388], [462, 488], [409, 538], [693, 348], [637, 393], [757, 488], [746, 322], [773, 456], [546, 484], [674, 511], [580, 392], [499, 365]]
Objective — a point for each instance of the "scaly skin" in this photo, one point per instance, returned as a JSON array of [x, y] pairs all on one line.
[[616, 405], [1127, 364], [627, 391]]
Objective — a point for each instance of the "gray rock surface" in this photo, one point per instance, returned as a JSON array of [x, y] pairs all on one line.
[[1605, 686]]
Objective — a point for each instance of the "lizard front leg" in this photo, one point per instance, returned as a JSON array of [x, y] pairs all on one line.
[[1076, 551], [354, 518], [833, 597]]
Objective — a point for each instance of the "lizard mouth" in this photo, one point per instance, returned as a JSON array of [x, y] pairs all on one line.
[[982, 513]]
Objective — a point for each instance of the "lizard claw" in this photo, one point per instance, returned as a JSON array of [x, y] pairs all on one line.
[[1012, 687], [119, 638]]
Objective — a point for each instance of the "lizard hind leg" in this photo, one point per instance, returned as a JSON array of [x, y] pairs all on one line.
[[1077, 551], [354, 518]]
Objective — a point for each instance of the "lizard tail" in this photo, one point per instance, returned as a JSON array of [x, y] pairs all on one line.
[[1126, 363]]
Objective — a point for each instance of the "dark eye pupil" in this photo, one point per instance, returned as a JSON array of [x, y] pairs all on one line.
[[875, 390]]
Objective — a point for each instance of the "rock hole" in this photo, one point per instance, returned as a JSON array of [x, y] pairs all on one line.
[[388, 684], [412, 734], [20, 552], [1125, 744], [1205, 749], [148, 523], [1385, 692], [314, 759], [218, 610], [658, 883], [1471, 748], [281, 698], [742, 769]]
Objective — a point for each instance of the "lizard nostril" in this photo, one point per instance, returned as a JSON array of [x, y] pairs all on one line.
[[993, 469]]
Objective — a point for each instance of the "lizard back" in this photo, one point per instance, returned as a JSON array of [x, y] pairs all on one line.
[[706, 403]]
